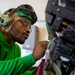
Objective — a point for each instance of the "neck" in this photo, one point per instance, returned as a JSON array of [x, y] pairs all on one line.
[[7, 36], [10, 39]]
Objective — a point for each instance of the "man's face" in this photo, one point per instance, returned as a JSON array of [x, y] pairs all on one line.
[[20, 30]]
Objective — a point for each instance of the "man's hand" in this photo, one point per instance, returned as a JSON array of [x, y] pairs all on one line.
[[39, 49]]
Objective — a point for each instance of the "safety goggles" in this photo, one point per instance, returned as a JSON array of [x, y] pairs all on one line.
[[25, 23]]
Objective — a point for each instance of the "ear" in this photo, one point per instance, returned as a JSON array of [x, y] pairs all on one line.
[[4, 19]]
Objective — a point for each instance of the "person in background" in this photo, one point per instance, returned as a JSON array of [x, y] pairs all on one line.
[[15, 26]]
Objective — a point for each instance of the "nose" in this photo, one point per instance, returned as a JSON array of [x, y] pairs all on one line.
[[28, 30]]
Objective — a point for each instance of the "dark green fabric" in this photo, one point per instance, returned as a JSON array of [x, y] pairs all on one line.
[[10, 61], [33, 72]]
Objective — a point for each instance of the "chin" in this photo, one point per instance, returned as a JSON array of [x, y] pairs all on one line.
[[21, 42]]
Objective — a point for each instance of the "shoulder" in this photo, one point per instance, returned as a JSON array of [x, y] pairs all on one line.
[[17, 45], [17, 49]]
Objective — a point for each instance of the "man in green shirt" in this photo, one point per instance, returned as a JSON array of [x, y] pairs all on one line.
[[15, 26]]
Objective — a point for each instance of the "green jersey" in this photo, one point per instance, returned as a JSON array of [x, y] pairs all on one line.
[[10, 61]]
